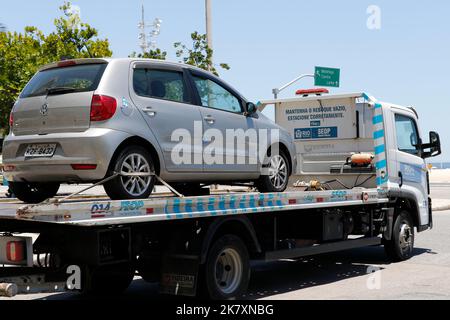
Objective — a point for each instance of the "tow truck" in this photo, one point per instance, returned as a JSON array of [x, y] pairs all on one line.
[[361, 181]]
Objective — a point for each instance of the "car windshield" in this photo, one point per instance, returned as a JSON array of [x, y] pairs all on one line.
[[79, 78]]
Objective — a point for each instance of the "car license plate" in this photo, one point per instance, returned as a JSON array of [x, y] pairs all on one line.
[[40, 150]]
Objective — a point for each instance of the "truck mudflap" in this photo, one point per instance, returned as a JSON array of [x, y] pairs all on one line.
[[179, 275]]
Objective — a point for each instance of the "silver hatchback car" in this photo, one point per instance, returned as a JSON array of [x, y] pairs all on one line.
[[84, 120]]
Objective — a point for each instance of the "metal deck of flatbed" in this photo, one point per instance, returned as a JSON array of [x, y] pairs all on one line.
[[106, 212]]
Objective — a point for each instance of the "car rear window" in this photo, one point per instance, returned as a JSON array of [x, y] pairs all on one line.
[[82, 78]]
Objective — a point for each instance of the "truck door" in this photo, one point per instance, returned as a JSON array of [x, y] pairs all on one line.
[[411, 168]]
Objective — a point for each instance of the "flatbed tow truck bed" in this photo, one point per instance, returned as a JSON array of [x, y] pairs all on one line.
[[166, 208], [88, 221]]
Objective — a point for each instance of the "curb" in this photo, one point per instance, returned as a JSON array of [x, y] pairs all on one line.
[[442, 208]]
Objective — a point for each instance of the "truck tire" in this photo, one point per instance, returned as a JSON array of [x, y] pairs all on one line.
[[133, 159], [108, 280], [34, 192], [277, 178], [227, 269], [401, 246]]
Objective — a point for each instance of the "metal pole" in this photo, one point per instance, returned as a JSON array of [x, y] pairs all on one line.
[[276, 91], [208, 24]]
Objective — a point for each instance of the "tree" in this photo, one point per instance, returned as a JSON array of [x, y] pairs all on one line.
[[21, 54], [200, 54], [152, 54]]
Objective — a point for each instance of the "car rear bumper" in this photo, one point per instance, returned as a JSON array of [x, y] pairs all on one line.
[[95, 146]]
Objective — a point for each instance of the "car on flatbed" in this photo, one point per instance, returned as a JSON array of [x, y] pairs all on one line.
[[84, 120]]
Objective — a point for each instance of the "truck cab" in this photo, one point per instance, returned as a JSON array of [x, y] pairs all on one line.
[[331, 130]]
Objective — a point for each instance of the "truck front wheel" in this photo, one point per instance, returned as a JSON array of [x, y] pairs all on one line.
[[227, 268], [401, 246]]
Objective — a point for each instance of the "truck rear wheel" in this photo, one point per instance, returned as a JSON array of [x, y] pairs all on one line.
[[227, 269], [34, 192], [401, 246]]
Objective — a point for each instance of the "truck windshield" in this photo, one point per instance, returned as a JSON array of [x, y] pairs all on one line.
[[78, 78]]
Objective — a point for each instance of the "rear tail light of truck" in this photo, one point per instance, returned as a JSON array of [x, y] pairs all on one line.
[[102, 107], [11, 119], [16, 251]]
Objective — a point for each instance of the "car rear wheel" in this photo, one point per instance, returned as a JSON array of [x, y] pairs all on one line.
[[136, 181], [276, 178], [34, 192]]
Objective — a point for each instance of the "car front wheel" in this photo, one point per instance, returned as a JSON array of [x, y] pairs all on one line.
[[276, 175]]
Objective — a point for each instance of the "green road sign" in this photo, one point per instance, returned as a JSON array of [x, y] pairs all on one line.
[[327, 77]]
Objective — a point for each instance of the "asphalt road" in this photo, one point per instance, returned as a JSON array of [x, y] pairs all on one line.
[[350, 275]]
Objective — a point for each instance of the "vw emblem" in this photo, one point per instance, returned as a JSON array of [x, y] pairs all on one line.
[[44, 109]]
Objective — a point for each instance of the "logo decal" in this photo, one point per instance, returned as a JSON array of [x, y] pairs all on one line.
[[44, 110]]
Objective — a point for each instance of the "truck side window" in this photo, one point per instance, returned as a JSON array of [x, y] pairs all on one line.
[[407, 135]]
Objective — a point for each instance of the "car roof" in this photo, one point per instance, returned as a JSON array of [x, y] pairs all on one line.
[[107, 60]]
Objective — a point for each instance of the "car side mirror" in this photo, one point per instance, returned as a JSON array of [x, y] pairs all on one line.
[[434, 146], [251, 109]]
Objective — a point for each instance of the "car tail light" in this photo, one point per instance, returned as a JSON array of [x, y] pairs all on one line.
[[102, 107], [15, 251], [11, 119], [84, 166], [66, 63]]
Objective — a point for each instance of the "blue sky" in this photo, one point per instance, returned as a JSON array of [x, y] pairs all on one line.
[[268, 43]]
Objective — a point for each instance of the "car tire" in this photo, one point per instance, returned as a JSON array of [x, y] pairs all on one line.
[[227, 269], [401, 246], [34, 192], [133, 159], [277, 179]]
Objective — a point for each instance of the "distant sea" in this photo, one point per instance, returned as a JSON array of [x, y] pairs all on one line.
[[441, 165]]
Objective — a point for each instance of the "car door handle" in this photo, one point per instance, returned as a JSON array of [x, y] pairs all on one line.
[[150, 111], [400, 175], [209, 119]]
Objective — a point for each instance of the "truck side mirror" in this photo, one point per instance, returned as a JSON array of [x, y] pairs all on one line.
[[251, 109], [434, 146]]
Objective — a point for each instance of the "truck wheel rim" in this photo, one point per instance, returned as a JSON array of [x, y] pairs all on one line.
[[278, 171], [228, 271], [135, 164], [405, 237]]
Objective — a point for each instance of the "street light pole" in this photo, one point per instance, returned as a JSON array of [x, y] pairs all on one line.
[[276, 91], [208, 25]]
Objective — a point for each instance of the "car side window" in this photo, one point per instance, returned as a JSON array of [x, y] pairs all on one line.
[[160, 84], [407, 135], [213, 95]]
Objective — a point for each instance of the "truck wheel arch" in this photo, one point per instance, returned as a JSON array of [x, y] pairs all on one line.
[[239, 226], [405, 200]]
